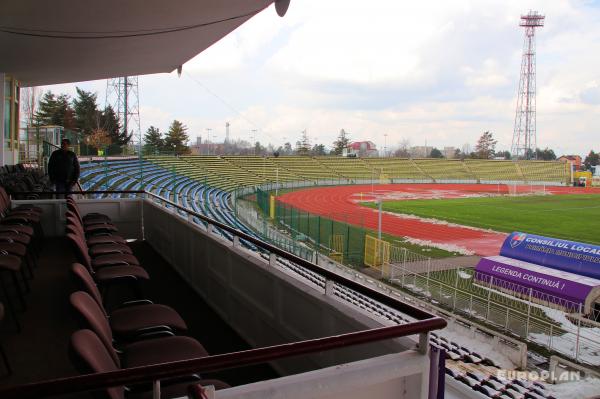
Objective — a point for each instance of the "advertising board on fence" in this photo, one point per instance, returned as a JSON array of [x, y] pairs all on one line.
[[540, 279], [570, 256]]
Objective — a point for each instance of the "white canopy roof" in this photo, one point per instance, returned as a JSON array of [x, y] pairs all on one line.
[[58, 41]]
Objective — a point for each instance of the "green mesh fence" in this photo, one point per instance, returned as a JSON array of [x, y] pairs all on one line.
[[339, 239], [262, 200]]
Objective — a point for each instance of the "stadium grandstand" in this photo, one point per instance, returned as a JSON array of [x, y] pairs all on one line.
[[231, 172], [205, 185], [238, 314]]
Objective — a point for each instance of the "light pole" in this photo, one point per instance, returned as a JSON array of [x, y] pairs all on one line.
[[253, 141], [385, 145], [208, 129], [276, 182], [379, 203]]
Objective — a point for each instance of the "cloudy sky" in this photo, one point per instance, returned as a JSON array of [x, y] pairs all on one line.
[[435, 72]]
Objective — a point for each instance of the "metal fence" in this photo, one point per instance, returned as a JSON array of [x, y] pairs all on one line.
[[336, 235], [545, 320]]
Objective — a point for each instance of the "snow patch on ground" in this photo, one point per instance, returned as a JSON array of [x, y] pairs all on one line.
[[437, 221], [444, 246], [586, 388], [465, 275], [482, 348], [589, 342], [417, 194]]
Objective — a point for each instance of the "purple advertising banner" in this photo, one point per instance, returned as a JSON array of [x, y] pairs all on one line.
[[570, 256], [564, 285]]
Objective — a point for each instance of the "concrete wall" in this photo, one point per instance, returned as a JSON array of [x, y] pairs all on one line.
[[391, 376], [264, 304]]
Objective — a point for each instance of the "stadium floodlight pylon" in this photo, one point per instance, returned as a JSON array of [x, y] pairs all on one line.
[[524, 140], [122, 94]]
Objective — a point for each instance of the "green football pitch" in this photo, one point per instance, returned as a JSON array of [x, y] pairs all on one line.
[[571, 217]]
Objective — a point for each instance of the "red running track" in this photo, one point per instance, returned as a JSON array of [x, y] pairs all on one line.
[[341, 203]]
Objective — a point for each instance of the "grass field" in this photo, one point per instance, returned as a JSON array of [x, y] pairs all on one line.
[[571, 217]]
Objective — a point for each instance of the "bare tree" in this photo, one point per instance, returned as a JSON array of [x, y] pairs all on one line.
[[30, 97], [466, 150], [403, 149]]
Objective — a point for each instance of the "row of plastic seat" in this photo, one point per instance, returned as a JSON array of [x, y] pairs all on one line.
[[19, 178], [21, 236], [494, 386], [133, 334], [229, 172]]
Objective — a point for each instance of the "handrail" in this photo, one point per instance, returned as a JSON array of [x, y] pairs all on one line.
[[425, 322], [89, 382], [329, 275]]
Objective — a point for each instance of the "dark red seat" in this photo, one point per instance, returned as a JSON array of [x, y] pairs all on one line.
[[12, 265], [20, 250], [114, 260], [107, 239], [2, 353], [17, 228], [149, 351], [137, 316], [91, 240], [5, 200], [101, 227], [111, 273], [83, 254], [25, 216], [91, 356], [89, 218], [13, 248], [161, 350], [109, 248], [15, 237]]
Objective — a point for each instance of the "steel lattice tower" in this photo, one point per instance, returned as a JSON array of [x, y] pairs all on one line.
[[123, 95], [524, 137]]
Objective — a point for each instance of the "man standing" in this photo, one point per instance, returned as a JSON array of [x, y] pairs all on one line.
[[63, 168]]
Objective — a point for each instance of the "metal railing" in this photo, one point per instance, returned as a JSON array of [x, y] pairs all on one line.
[[425, 323]]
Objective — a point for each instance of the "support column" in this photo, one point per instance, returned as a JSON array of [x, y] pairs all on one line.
[[2, 140]]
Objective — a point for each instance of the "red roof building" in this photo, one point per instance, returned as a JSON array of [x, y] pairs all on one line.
[[363, 149], [575, 161]]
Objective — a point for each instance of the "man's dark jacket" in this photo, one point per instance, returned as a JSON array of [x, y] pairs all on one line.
[[63, 167]]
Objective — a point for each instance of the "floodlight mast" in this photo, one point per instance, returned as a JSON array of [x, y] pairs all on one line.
[[524, 141], [122, 94]]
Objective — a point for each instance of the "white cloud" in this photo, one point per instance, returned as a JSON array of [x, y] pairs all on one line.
[[444, 71]]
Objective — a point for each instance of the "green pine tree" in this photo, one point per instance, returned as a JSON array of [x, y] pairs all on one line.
[[110, 122], [153, 140], [176, 138], [87, 116], [54, 110]]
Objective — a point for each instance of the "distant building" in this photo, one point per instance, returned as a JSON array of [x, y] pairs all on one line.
[[420, 151], [206, 148], [574, 160], [363, 149], [449, 152]]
